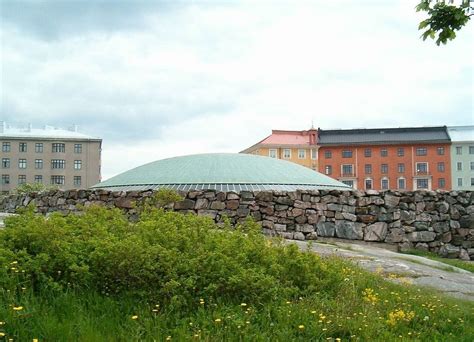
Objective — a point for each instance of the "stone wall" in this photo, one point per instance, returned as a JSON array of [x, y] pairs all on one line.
[[442, 222]]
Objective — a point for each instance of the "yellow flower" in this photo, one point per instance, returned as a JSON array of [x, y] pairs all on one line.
[[168, 338], [2, 334], [135, 317], [217, 320], [301, 327], [18, 308], [35, 340], [243, 304]]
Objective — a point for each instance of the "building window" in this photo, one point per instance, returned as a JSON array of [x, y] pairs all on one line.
[[272, 153], [327, 154], [459, 166], [421, 168], [22, 163], [401, 168], [422, 183], [5, 163], [368, 184], [441, 183], [58, 163], [368, 152], [400, 152], [57, 180], [458, 150], [347, 170], [440, 151], [472, 166], [347, 154], [39, 147], [384, 183], [368, 169], [77, 180], [38, 163], [6, 147], [421, 151], [441, 167], [348, 182], [21, 179], [78, 148], [5, 179], [472, 181], [287, 153], [77, 164], [459, 181], [59, 148], [383, 152], [314, 154], [401, 183], [328, 170], [38, 179], [384, 168], [471, 149], [22, 147], [301, 153]]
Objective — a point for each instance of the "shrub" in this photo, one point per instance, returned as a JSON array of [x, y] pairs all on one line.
[[165, 256]]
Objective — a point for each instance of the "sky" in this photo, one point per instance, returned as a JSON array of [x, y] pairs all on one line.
[[156, 79]]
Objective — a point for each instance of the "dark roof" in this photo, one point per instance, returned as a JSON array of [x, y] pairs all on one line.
[[384, 135]]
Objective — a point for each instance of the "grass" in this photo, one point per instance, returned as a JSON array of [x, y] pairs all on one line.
[[465, 265], [97, 277]]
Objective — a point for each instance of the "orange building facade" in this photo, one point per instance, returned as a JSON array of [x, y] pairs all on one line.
[[381, 167], [368, 159]]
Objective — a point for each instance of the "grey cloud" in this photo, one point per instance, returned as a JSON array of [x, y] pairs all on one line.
[[54, 19]]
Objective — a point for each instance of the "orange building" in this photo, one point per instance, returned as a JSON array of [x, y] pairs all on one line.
[[296, 146], [386, 158]]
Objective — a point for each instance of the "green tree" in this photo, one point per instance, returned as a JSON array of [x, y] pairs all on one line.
[[443, 19]]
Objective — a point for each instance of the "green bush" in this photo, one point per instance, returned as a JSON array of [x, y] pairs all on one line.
[[165, 256], [27, 188]]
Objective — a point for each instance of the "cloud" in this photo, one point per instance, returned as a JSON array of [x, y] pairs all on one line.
[[157, 79]]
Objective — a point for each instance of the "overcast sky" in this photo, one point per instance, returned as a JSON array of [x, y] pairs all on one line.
[[157, 79]]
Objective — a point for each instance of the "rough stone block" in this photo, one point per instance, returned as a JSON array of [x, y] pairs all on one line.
[[376, 232], [349, 230], [423, 236]]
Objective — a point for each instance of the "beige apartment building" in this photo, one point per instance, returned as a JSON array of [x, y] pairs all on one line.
[[61, 157]]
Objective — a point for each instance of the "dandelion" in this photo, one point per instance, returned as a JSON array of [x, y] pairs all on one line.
[[35, 340], [243, 304], [134, 317], [217, 320], [2, 334], [18, 308], [370, 296], [168, 338], [301, 326]]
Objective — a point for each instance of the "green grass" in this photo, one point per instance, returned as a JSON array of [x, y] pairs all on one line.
[[465, 265], [85, 278]]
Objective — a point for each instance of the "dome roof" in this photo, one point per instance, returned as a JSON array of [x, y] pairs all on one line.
[[223, 172]]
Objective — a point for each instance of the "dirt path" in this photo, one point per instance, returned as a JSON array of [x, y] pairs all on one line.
[[401, 267]]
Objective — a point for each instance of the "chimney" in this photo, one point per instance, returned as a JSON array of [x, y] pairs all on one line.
[[3, 126]]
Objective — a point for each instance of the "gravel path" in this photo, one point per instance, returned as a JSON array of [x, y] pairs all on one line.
[[402, 267]]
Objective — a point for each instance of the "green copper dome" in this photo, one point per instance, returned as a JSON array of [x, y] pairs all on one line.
[[221, 171]]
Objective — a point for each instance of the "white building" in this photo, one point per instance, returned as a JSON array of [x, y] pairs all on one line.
[[462, 157]]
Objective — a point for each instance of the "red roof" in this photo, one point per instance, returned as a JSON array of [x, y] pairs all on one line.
[[287, 138]]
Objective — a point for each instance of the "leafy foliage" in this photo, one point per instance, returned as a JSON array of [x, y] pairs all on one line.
[[164, 256], [444, 19], [27, 188]]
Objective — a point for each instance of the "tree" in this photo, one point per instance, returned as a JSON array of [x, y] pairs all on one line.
[[444, 19]]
